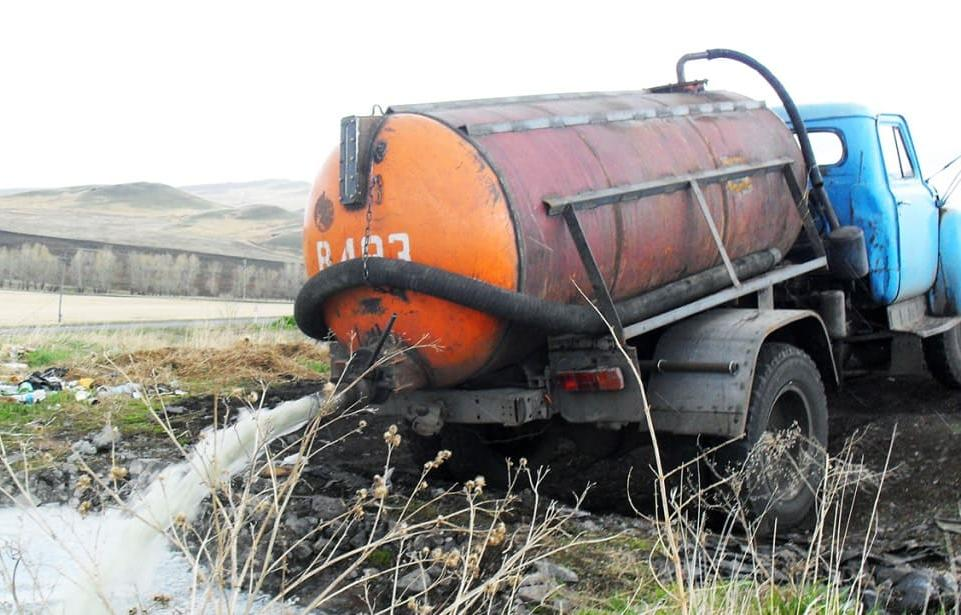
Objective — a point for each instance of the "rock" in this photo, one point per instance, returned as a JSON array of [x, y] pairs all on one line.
[[175, 409], [327, 507], [49, 485], [83, 448], [538, 586], [106, 437], [414, 582], [556, 572], [300, 525], [359, 539], [136, 467], [915, 592], [535, 588], [869, 600]]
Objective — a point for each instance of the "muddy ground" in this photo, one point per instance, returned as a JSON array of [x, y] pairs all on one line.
[[921, 478], [920, 481]]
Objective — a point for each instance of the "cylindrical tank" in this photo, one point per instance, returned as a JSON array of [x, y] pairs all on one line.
[[461, 186]]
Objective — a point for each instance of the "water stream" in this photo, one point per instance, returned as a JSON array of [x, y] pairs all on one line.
[[114, 561]]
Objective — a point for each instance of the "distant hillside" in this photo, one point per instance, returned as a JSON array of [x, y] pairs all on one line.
[[120, 198], [160, 216], [284, 193]]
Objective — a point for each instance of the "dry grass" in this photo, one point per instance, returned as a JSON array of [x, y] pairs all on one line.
[[113, 341], [204, 355], [241, 361], [27, 309]]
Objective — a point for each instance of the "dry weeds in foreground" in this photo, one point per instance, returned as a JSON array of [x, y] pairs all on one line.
[[239, 548]]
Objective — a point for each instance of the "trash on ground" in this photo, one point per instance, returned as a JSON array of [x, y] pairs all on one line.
[[43, 384]]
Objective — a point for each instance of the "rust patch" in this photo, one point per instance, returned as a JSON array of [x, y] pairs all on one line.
[[371, 305], [739, 185], [730, 161], [375, 190], [323, 212]]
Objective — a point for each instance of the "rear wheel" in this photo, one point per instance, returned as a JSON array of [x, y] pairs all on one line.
[[778, 465], [942, 353]]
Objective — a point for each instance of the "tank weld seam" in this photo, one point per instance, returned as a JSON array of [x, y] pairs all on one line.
[[609, 117]]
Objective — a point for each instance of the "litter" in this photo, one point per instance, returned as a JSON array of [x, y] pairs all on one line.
[[43, 384], [27, 398], [131, 388]]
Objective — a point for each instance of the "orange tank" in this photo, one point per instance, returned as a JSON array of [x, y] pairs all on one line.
[[461, 187]]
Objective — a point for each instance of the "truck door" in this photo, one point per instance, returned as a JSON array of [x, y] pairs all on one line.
[[917, 211]]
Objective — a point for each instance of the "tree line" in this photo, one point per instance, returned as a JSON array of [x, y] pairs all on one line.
[[35, 267]]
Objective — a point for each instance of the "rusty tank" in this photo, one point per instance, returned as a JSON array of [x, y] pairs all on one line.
[[465, 187]]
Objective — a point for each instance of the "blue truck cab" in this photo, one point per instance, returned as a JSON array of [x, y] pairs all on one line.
[[872, 175], [873, 178]]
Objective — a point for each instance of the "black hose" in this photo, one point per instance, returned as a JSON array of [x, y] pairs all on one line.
[[814, 172], [548, 316]]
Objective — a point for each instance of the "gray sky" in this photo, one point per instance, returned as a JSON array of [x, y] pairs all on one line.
[[194, 92]]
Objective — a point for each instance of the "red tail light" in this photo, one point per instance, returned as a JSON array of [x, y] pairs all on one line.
[[607, 379]]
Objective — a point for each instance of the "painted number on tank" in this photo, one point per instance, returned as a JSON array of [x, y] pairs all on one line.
[[397, 246]]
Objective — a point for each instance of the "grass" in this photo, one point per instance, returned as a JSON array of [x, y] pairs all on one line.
[[61, 416], [743, 597], [201, 360], [56, 353]]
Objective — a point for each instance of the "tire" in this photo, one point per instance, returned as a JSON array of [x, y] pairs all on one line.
[[779, 462], [942, 353]]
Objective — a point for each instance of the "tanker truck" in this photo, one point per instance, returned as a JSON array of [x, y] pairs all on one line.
[[497, 272]]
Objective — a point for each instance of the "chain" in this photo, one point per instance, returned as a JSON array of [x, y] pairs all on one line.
[[366, 245]]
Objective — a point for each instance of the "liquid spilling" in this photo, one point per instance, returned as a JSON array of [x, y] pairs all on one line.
[[53, 560]]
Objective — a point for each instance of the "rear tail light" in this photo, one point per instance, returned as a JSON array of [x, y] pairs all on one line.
[[607, 379]]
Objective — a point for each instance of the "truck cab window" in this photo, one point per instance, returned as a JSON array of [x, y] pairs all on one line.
[[827, 145], [896, 159]]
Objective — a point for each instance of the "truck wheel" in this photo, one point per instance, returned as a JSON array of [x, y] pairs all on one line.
[[780, 460], [942, 353]]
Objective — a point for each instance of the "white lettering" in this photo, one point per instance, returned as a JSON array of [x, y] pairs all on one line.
[[404, 240], [323, 254], [348, 252], [398, 247]]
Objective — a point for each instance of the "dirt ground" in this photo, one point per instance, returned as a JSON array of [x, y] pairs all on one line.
[[920, 423], [21, 308], [921, 480]]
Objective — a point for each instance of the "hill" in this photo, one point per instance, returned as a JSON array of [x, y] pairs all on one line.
[[284, 193], [120, 198], [161, 216]]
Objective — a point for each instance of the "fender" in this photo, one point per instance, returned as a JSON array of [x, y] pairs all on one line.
[[716, 404], [944, 297]]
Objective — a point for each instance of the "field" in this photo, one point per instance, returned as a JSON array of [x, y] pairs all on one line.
[[23, 309], [354, 514]]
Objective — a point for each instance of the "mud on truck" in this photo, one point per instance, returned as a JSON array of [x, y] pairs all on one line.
[[497, 271]]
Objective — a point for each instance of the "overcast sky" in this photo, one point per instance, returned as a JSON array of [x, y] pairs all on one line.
[[195, 92]]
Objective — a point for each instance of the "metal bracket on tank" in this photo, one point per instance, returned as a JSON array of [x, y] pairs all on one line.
[[702, 203], [601, 292], [800, 201], [356, 135], [632, 192]]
